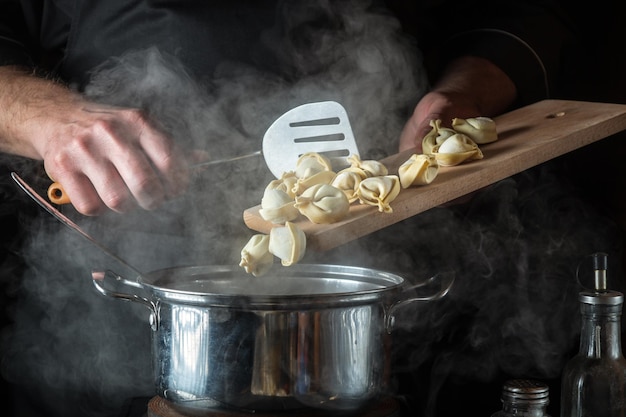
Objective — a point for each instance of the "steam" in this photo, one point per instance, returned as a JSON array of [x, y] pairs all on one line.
[[72, 351], [513, 311], [513, 246]]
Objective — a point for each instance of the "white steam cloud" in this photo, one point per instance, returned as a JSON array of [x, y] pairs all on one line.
[[512, 246], [513, 311], [71, 351]]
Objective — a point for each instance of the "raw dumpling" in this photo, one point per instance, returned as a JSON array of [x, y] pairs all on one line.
[[419, 169], [371, 168], [322, 177], [323, 203], [457, 149], [379, 191], [436, 136], [311, 163], [287, 243], [480, 129], [256, 258], [277, 206], [285, 183], [348, 180]]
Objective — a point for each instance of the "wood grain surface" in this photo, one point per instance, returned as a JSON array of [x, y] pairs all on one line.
[[527, 137]]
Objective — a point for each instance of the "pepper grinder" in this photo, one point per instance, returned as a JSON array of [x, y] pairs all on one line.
[[594, 381]]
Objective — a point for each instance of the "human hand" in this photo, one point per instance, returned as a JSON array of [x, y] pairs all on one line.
[[435, 105], [103, 156], [107, 157], [469, 87]]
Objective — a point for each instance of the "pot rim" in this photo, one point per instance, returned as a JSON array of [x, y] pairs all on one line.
[[196, 285]]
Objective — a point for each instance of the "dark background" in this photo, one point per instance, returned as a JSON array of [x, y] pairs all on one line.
[[593, 69]]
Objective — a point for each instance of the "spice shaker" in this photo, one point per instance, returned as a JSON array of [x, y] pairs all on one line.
[[594, 381], [524, 398]]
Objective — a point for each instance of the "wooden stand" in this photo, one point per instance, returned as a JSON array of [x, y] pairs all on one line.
[[159, 407]]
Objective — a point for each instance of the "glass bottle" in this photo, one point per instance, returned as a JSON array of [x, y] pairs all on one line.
[[594, 381], [524, 398]]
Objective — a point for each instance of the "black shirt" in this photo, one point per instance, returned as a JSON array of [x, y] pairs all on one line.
[[70, 38]]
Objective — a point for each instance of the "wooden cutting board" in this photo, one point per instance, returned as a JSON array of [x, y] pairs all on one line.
[[527, 137]]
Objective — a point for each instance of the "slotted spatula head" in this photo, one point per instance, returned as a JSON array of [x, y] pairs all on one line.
[[321, 127]]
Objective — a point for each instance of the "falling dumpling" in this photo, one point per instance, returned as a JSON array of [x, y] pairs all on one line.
[[348, 180], [277, 206], [436, 136], [311, 163], [457, 149], [288, 243], [256, 258], [480, 129], [371, 168], [379, 191], [419, 169], [323, 203]]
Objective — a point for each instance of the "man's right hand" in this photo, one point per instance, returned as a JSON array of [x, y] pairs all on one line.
[[105, 157]]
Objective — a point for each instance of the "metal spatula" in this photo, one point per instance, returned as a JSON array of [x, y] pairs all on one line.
[[321, 127]]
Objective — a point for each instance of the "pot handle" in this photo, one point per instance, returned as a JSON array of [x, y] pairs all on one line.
[[443, 280], [103, 281]]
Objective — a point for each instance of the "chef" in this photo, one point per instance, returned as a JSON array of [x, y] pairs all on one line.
[[482, 58], [487, 56]]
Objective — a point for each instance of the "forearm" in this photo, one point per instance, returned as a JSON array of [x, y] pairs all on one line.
[[103, 155], [27, 102]]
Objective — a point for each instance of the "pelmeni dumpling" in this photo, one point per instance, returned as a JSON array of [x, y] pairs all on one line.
[[256, 257], [348, 180], [311, 163], [371, 168], [287, 243], [379, 191], [419, 169], [457, 149], [480, 129], [285, 183], [277, 206], [436, 136], [322, 177], [323, 204]]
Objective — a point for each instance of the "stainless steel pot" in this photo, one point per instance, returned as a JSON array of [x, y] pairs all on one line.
[[306, 336]]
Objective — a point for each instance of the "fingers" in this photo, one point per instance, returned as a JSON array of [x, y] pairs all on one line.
[[434, 106], [169, 164], [98, 189], [417, 127], [116, 160], [410, 136]]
